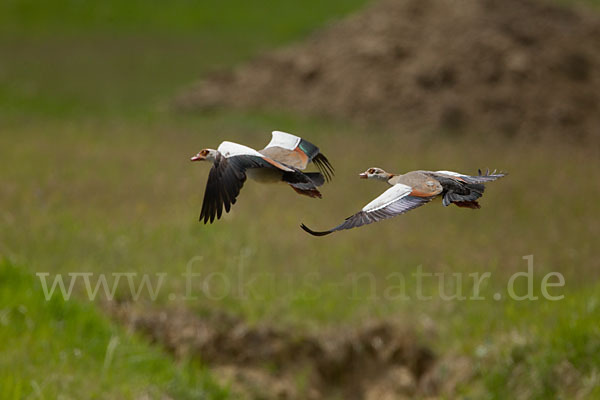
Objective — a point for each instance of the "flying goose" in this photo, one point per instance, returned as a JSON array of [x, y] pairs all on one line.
[[281, 161], [414, 189]]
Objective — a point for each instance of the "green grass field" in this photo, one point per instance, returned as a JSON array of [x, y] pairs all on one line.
[[95, 178]]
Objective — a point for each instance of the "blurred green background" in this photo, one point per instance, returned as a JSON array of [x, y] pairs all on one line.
[[95, 177]]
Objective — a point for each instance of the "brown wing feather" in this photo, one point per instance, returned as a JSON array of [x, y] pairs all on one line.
[[300, 156]]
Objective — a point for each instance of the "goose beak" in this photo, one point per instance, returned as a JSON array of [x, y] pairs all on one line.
[[363, 175], [197, 157]]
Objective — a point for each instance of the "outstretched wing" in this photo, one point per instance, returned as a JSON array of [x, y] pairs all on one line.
[[480, 178], [296, 152], [225, 180], [394, 201]]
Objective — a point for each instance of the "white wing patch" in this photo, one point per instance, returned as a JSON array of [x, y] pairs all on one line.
[[230, 149], [391, 195], [451, 173], [284, 140]]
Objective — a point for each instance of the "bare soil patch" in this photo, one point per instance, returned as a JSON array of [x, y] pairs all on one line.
[[378, 360], [502, 66]]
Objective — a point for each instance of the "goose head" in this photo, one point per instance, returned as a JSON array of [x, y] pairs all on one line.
[[375, 173], [205, 155]]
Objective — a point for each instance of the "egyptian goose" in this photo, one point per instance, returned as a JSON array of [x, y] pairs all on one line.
[[281, 161], [414, 189]]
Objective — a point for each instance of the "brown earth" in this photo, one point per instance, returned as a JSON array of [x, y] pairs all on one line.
[[378, 360], [507, 66]]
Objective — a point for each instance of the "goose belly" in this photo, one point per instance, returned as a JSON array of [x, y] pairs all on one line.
[[264, 175]]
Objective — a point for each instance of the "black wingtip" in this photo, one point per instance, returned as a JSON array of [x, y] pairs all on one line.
[[205, 218], [493, 173], [324, 166], [308, 230]]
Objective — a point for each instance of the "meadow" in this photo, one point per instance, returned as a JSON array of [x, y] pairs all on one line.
[[95, 177]]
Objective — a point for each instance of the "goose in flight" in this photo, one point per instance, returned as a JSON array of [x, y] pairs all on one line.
[[414, 189], [282, 160]]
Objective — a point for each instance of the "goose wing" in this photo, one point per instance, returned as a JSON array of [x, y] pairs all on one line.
[[227, 176], [479, 178], [394, 201], [296, 152]]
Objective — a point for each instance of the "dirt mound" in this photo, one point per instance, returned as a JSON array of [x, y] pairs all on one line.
[[510, 66], [376, 361]]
